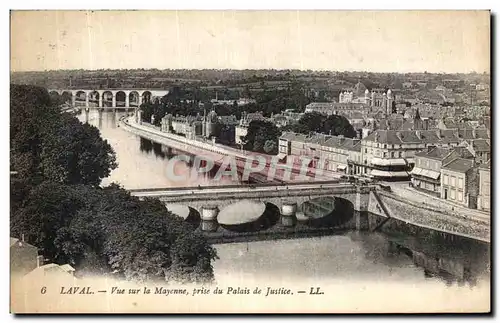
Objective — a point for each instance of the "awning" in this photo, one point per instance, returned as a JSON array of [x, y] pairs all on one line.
[[342, 167], [388, 162], [281, 156], [383, 173], [416, 171], [431, 174], [425, 172]]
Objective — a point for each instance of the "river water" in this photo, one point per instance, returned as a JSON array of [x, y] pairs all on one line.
[[351, 256]]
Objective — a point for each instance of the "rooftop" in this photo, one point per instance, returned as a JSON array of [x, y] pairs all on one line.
[[435, 153], [481, 145], [461, 165]]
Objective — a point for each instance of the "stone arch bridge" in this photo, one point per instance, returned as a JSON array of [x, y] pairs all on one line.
[[208, 201], [107, 98], [373, 208]]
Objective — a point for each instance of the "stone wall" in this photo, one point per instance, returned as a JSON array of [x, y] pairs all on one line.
[[421, 216]]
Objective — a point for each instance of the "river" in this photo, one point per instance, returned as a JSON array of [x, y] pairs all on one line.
[[348, 257]]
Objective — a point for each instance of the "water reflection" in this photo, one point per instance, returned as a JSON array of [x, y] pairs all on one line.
[[142, 163], [354, 256]]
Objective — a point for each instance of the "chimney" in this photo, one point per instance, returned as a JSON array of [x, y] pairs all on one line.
[[39, 261]]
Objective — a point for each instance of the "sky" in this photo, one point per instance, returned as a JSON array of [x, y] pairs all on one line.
[[375, 41]]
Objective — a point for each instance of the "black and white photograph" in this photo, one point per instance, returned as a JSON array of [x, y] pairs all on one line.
[[250, 161]]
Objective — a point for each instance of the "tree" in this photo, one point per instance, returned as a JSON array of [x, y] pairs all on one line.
[[49, 145], [59, 207], [75, 153], [270, 147], [334, 125], [258, 133], [104, 230], [337, 125], [48, 208], [30, 113]]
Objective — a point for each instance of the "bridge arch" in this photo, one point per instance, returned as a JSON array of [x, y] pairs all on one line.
[[134, 99], [107, 99], [146, 97], [344, 211], [80, 98], [67, 97], [121, 99], [94, 99], [55, 97]]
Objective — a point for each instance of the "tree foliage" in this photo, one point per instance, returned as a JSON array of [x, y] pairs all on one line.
[[109, 230], [49, 145], [57, 204], [334, 125], [259, 132]]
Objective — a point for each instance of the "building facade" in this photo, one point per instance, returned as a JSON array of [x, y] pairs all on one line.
[[483, 201], [460, 182], [426, 174], [383, 154]]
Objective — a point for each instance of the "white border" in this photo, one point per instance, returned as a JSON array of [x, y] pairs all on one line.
[[200, 4]]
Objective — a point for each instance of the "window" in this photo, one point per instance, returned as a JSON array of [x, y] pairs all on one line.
[[385, 155], [366, 150], [452, 180], [445, 179], [400, 154], [452, 193], [392, 154], [459, 195], [460, 183]]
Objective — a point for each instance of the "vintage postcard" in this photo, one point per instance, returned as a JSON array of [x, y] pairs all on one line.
[[250, 161]]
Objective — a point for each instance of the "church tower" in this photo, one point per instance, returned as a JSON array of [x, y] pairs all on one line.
[[418, 124], [390, 99], [204, 124]]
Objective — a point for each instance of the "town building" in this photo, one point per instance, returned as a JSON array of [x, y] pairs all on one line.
[[330, 108], [333, 151], [383, 154], [376, 98], [23, 256], [191, 127], [483, 200], [460, 182], [426, 174], [479, 148], [241, 130]]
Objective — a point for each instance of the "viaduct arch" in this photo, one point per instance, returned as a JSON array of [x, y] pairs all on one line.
[[107, 98]]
